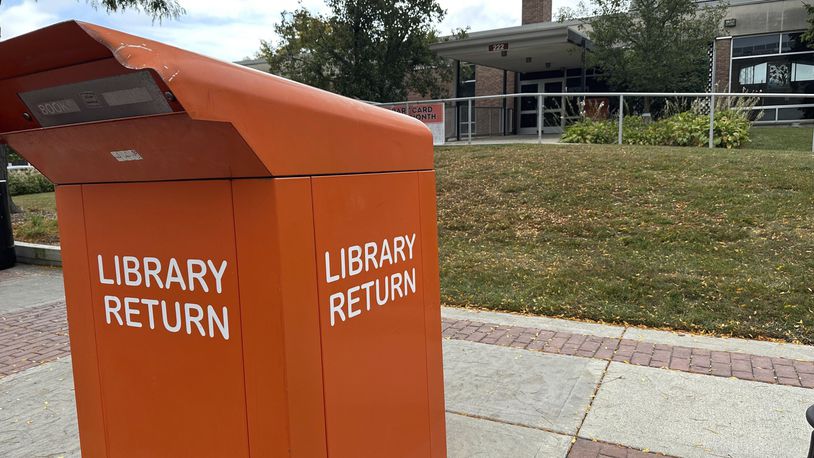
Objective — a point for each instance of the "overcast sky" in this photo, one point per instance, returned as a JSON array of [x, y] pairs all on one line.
[[229, 29]]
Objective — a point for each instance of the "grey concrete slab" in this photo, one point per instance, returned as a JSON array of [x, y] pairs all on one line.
[[521, 387], [692, 415], [755, 347], [477, 438], [515, 319], [38, 413], [25, 286]]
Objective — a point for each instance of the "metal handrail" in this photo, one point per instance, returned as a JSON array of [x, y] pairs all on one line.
[[621, 95], [604, 94]]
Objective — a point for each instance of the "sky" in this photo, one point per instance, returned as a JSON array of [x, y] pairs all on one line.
[[229, 30]]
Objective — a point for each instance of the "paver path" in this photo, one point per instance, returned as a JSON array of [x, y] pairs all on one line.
[[515, 386]]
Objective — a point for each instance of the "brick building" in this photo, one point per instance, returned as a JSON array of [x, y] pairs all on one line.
[[539, 55], [761, 51]]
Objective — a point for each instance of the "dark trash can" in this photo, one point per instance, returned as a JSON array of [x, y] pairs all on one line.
[[7, 256]]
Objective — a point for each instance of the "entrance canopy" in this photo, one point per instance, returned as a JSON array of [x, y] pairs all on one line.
[[523, 49]]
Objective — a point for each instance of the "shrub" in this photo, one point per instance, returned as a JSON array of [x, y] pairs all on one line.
[[590, 131], [28, 182], [687, 128]]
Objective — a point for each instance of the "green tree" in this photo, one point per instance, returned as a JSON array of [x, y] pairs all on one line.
[[157, 9], [375, 50], [651, 45], [808, 35]]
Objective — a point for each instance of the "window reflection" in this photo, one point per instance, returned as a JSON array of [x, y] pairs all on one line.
[[753, 74], [802, 72], [754, 46]]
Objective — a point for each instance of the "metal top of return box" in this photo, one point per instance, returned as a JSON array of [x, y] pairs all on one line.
[[89, 104]]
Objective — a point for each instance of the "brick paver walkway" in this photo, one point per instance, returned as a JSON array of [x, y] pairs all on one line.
[[698, 360], [584, 448], [39, 334], [32, 336]]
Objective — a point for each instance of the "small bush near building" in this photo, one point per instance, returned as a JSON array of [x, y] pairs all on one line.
[[22, 182], [731, 130]]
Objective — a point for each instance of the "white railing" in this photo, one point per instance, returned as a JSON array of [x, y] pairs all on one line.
[[621, 96]]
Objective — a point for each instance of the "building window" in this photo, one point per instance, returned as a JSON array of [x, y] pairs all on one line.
[[778, 63], [802, 71], [466, 88], [791, 42], [753, 74], [756, 45], [466, 80]]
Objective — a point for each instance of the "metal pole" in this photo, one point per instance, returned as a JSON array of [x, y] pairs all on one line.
[[469, 123], [540, 119], [712, 120], [504, 101], [712, 100], [621, 116]]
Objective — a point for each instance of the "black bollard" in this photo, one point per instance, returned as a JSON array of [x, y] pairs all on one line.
[[810, 418], [7, 255]]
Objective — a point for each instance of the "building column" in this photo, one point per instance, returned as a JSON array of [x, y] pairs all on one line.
[[723, 63]]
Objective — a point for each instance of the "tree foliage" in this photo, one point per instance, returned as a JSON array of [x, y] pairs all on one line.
[[808, 35], [157, 9], [375, 50], [652, 45]]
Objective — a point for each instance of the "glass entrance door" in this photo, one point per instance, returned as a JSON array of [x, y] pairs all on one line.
[[528, 108], [552, 107]]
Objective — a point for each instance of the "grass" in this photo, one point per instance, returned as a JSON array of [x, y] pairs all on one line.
[[37, 223], [693, 239], [682, 238], [781, 138]]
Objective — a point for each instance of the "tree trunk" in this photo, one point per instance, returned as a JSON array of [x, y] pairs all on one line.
[[13, 208]]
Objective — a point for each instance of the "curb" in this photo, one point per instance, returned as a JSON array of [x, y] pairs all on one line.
[[42, 255]]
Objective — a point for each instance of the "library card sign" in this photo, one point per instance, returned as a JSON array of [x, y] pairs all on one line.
[[431, 114]]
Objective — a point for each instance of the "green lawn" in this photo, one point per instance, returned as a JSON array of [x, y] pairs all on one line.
[[37, 202], [781, 138], [713, 241], [38, 222], [683, 238]]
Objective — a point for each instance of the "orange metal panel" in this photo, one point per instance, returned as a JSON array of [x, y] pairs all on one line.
[[82, 153], [432, 312], [372, 314], [171, 371], [325, 340], [57, 46], [275, 243], [76, 274]]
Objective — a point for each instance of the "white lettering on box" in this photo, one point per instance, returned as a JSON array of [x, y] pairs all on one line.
[[391, 256], [197, 275]]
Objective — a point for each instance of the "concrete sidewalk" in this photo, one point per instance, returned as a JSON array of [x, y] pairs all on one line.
[[516, 386]]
